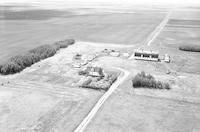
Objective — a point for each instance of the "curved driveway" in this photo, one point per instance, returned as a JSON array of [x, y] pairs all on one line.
[[97, 106]]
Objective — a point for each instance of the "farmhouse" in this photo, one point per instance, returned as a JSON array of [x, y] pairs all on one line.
[[141, 54], [94, 71]]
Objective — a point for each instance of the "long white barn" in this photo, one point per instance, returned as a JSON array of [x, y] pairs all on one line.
[[141, 54]]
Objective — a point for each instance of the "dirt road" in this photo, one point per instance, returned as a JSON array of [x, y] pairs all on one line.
[[158, 29], [156, 32], [95, 109]]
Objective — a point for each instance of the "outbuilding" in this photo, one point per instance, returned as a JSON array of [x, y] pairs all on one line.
[[115, 53], [167, 58], [141, 54], [94, 71]]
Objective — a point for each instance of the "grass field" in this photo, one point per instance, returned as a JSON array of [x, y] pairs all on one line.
[[28, 106], [18, 35], [177, 109], [141, 110], [181, 31], [127, 111], [45, 97], [186, 14]]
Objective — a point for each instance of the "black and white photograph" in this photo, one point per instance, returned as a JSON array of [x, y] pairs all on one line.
[[100, 66]]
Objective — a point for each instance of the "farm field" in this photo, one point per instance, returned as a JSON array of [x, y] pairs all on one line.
[[128, 111], [177, 109], [47, 97], [142, 109], [25, 109], [19, 34], [181, 31]]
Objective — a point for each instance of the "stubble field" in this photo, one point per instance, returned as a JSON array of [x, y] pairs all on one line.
[[45, 96], [19, 34], [62, 106], [177, 109]]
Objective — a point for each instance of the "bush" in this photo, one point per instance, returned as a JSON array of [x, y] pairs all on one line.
[[64, 43], [81, 72], [101, 83], [148, 81], [44, 51], [10, 68], [18, 63], [113, 77], [192, 48]]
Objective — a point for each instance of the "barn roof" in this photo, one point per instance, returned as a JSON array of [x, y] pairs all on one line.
[[146, 51]]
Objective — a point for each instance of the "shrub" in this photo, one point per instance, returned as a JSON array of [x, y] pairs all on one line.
[[81, 72], [25, 60], [113, 77], [166, 86], [86, 82], [44, 51], [18, 60], [64, 43], [101, 83], [32, 58], [18, 63], [148, 81], [192, 48], [10, 68]]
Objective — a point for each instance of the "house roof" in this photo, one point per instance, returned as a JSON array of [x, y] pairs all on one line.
[[146, 51], [94, 69]]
